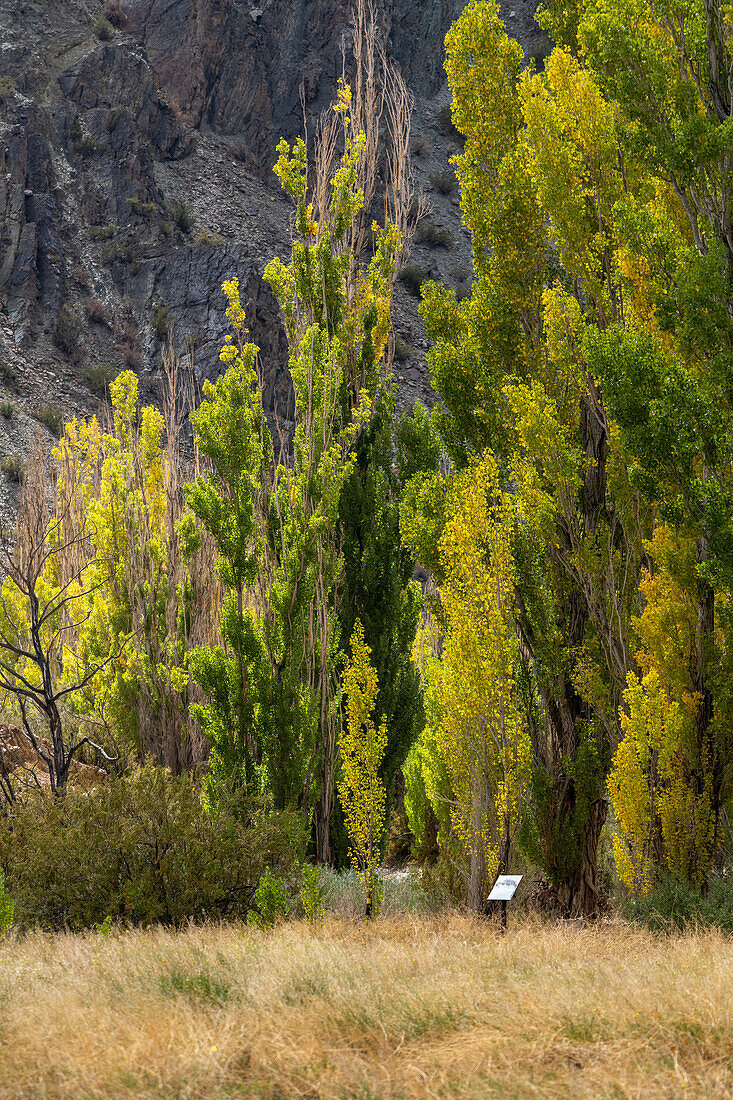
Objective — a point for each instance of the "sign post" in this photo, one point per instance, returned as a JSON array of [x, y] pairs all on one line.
[[503, 891]]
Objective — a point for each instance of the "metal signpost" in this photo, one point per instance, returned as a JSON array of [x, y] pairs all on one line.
[[503, 891]]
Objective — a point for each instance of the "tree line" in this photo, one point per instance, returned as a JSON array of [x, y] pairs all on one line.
[[249, 610]]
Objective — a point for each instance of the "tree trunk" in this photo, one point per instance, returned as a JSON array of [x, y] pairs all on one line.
[[477, 883], [579, 894], [322, 823]]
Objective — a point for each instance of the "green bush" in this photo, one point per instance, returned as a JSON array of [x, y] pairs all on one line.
[[271, 901], [402, 350], [182, 216], [101, 232], [312, 894], [675, 905], [51, 416], [445, 122], [13, 467], [103, 28], [8, 374], [98, 377], [7, 410], [7, 907], [161, 320], [140, 849], [66, 333]]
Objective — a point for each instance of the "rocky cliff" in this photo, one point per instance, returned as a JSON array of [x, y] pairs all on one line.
[[136, 145]]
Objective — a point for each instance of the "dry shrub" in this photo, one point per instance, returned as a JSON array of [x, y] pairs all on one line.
[[98, 311], [129, 342]]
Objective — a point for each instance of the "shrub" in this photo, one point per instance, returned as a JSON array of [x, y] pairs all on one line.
[[182, 216], [8, 374], [112, 11], [7, 409], [675, 905], [161, 320], [128, 341], [101, 232], [142, 209], [140, 849], [86, 146], [98, 311], [131, 354], [402, 350], [13, 467], [445, 182], [102, 27], [241, 151], [98, 377], [66, 333], [446, 124], [51, 416], [312, 894], [421, 145], [271, 901], [7, 907], [412, 276], [432, 235]]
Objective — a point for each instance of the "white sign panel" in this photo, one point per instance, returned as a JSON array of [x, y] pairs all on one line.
[[504, 887]]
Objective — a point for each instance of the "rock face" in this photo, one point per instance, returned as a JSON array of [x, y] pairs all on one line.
[[248, 68], [136, 145]]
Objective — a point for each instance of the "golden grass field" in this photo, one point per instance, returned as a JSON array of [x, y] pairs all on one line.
[[406, 1007]]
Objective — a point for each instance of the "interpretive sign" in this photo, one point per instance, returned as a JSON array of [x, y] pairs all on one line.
[[504, 887]]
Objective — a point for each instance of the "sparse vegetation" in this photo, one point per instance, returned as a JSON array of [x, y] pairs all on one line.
[[421, 146], [112, 11], [162, 320], [445, 182], [98, 377], [446, 125], [50, 416], [412, 276], [8, 374], [432, 235], [142, 209], [66, 331], [13, 467], [182, 216], [101, 232], [103, 27], [402, 350], [98, 311], [7, 409]]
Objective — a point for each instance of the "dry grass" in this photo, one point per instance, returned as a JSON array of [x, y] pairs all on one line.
[[406, 1008]]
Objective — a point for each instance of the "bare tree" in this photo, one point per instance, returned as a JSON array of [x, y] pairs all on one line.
[[40, 664]]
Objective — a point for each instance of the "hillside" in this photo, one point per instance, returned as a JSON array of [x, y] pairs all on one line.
[[136, 145]]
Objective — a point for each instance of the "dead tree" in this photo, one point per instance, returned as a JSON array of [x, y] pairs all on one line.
[[40, 620]]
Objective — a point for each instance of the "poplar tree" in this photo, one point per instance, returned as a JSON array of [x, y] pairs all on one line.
[[362, 745]]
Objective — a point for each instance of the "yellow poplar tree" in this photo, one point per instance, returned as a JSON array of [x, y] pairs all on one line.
[[479, 732], [660, 784], [362, 744]]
